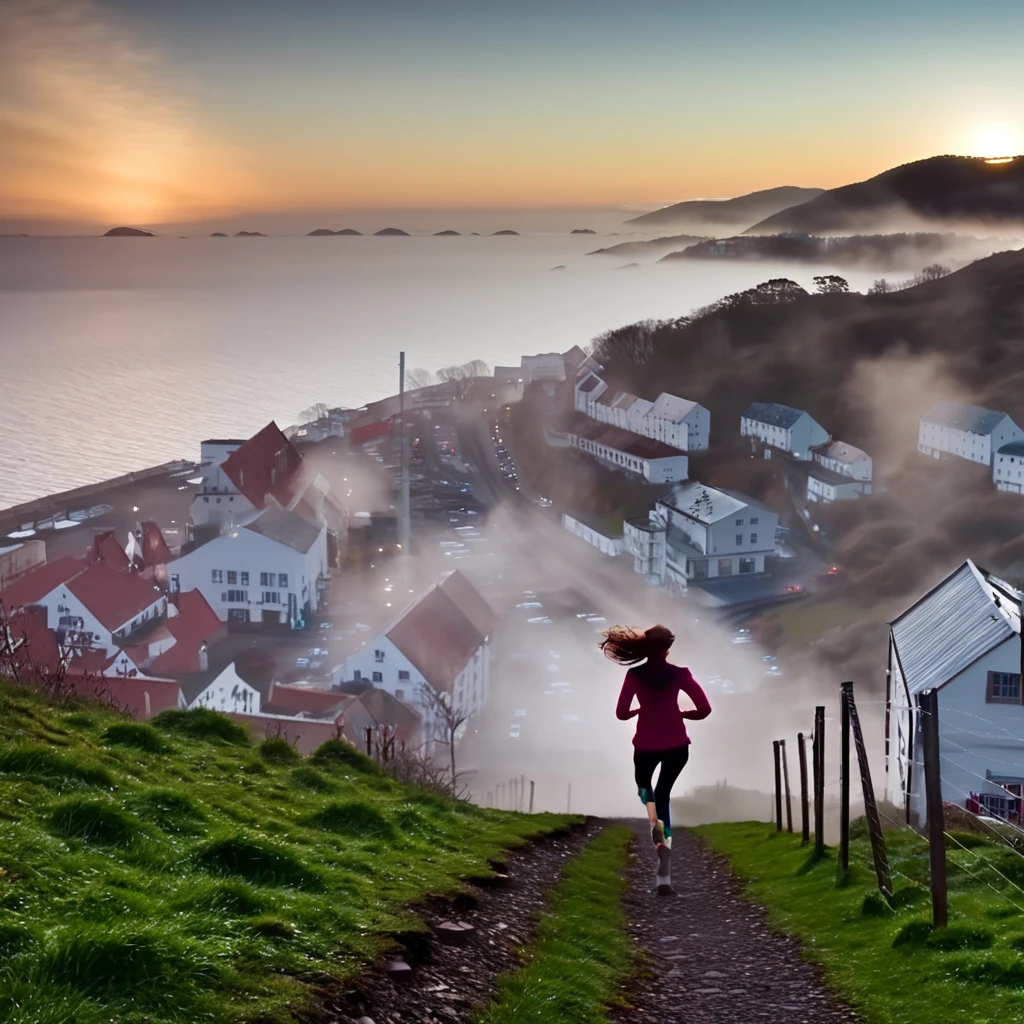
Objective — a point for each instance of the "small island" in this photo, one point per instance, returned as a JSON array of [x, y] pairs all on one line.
[[561, 266], [506, 232], [448, 232], [582, 231], [218, 234], [328, 231], [391, 231], [628, 266], [127, 233], [349, 231], [249, 234]]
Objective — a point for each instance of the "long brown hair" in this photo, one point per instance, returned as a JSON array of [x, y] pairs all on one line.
[[629, 646]]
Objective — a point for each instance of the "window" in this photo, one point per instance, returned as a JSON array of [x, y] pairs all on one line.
[[357, 675], [400, 694], [238, 615], [237, 597], [232, 578], [747, 565], [244, 579], [739, 539], [753, 538], [264, 579], [282, 579], [739, 522], [378, 656], [725, 567], [216, 576], [271, 597], [403, 675], [753, 522], [378, 677], [1003, 688]]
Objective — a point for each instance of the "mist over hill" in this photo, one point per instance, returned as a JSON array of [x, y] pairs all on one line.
[[702, 216], [961, 190]]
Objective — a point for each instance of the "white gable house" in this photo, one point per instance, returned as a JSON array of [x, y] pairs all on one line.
[[961, 639], [228, 693], [967, 431], [1008, 468], [779, 426], [839, 471]]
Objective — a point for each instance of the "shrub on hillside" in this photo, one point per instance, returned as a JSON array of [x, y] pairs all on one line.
[[40, 764], [353, 818], [93, 821], [341, 754], [258, 861], [135, 734], [203, 724], [278, 751]]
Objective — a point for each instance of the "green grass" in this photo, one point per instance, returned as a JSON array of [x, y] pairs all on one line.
[[173, 872], [582, 951], [889, 963]]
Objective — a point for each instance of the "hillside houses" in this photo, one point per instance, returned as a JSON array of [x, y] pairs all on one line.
[[655, 461], [1008, 468], [961, 639], [782, 427], [839, 471], [968, 432]]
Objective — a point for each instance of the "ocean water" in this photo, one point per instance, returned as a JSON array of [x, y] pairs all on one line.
[[121, 353]]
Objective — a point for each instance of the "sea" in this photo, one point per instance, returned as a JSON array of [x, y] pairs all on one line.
[[122, 353]]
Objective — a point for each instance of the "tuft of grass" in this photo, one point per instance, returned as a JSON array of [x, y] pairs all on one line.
[[353, 818], [258, 861], [176, 813], [892, 966], [271, 927], [339, 754], [135, 734], [279, 751], [35, 763], [582, 952], [93, 821], [203, 724], [314, 781]]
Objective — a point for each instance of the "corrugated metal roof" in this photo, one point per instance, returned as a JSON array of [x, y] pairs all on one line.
[[948, 629], [771, 412], [972, 418]]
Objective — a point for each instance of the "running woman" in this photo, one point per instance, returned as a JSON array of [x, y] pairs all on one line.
[[661, 737]]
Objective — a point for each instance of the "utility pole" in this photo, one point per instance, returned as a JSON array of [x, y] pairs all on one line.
[[403, 440]]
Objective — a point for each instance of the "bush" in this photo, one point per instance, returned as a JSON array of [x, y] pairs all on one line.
[[258, 862], [875, 905], [354, 818], [45, 766], [960, 936], [271, 927], [341, 754], [232, 896], [965, 840], [913, 933], [311, 779], [203, 724], [278, 751], [989, 969], [173, 812], [137, 735], [909, 895], [93, 821], [15, 937]]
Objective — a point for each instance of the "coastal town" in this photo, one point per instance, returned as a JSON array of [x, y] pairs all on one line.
[[268, 578]]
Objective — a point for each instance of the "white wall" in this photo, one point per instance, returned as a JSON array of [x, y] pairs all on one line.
[[825, 491], [229, 693], [606, 545], [806, 433], [933, 438], [245, 551], [1008, 473], [62, 603]]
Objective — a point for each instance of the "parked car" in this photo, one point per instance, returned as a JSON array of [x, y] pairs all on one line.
[[513, 730], [794, 588]]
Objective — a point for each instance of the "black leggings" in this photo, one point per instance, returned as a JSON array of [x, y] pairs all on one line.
[[672, 763]]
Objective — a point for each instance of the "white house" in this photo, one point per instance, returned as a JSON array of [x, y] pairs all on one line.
[[708, 534], [780, 426], [608, 542], [839, 472], [544, 366], [968, 431], [228, 693], [674, 421], [273, 570], [655, 461], [1008, 468], [961, 639], [442, 640]]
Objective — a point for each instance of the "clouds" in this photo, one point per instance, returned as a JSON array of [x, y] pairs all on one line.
[[95, 129]]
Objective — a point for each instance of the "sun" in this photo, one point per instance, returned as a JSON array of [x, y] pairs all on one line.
[[994, 140]]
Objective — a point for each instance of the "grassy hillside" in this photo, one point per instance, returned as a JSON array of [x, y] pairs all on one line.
[[174, 872]]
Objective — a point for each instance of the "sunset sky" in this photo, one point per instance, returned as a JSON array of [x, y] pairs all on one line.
[[158, 112]]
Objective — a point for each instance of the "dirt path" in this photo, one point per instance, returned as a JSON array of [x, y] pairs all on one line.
[[713, 957]]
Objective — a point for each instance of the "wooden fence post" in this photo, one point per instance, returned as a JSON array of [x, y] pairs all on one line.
[[805, 824], [522, 792], [928, 702], [369, 741], [878, 851], [531, 796], [778, 786], [844, 783], [785, 783], [819, 781]]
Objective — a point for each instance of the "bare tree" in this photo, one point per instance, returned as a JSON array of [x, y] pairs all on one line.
[[464, 371], [419, 379], [442, 710], [880, 287], [318, 411], [633, 344], [933, 272]]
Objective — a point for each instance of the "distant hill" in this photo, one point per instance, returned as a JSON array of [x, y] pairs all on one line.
[[218, 234], [328, 231], [448, 232], [948, 189], [505, 232], [391, 231], [582, 231], [348, 231], [649, 246], [127, 233], [705, 214], [249, 234]]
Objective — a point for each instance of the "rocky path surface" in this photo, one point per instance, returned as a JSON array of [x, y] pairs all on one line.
[[712, 957]]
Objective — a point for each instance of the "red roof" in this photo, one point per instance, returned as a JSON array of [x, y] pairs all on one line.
[[154, 548], [284, 699], [621, 440], [267, 464], [436, 637], [304, 734], [115, 598], [195, 624], [130, 694], [106, 549], [35, 585], [470, 602], [37, 651]]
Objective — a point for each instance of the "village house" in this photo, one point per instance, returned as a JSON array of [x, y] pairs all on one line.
[[961, 639], [273, 571], [700, 533], [1008, 468], [783, 428], [655, 461], [967, 431], [839, 472], [608, 539], [441, 640], [674, 421]]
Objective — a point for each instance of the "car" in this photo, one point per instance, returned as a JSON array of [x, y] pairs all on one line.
[[327, 625], [742, 638], [316, 665], [513, 730], [773, 670], [794, 588], [539, 620], [302, 662], [768, 657], [596, 618], [529, 604], [318, 652], [833, 570], [521, 713], [362, 627]]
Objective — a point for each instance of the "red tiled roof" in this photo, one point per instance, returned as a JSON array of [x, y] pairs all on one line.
[[621, 440], [115, 598], [195, 624], [35, 585], [470, 602], [106, 549], [154, 548], [37, 651], [304, 734], [436, 637], [284, 699], [267, 464], [130, 694]]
